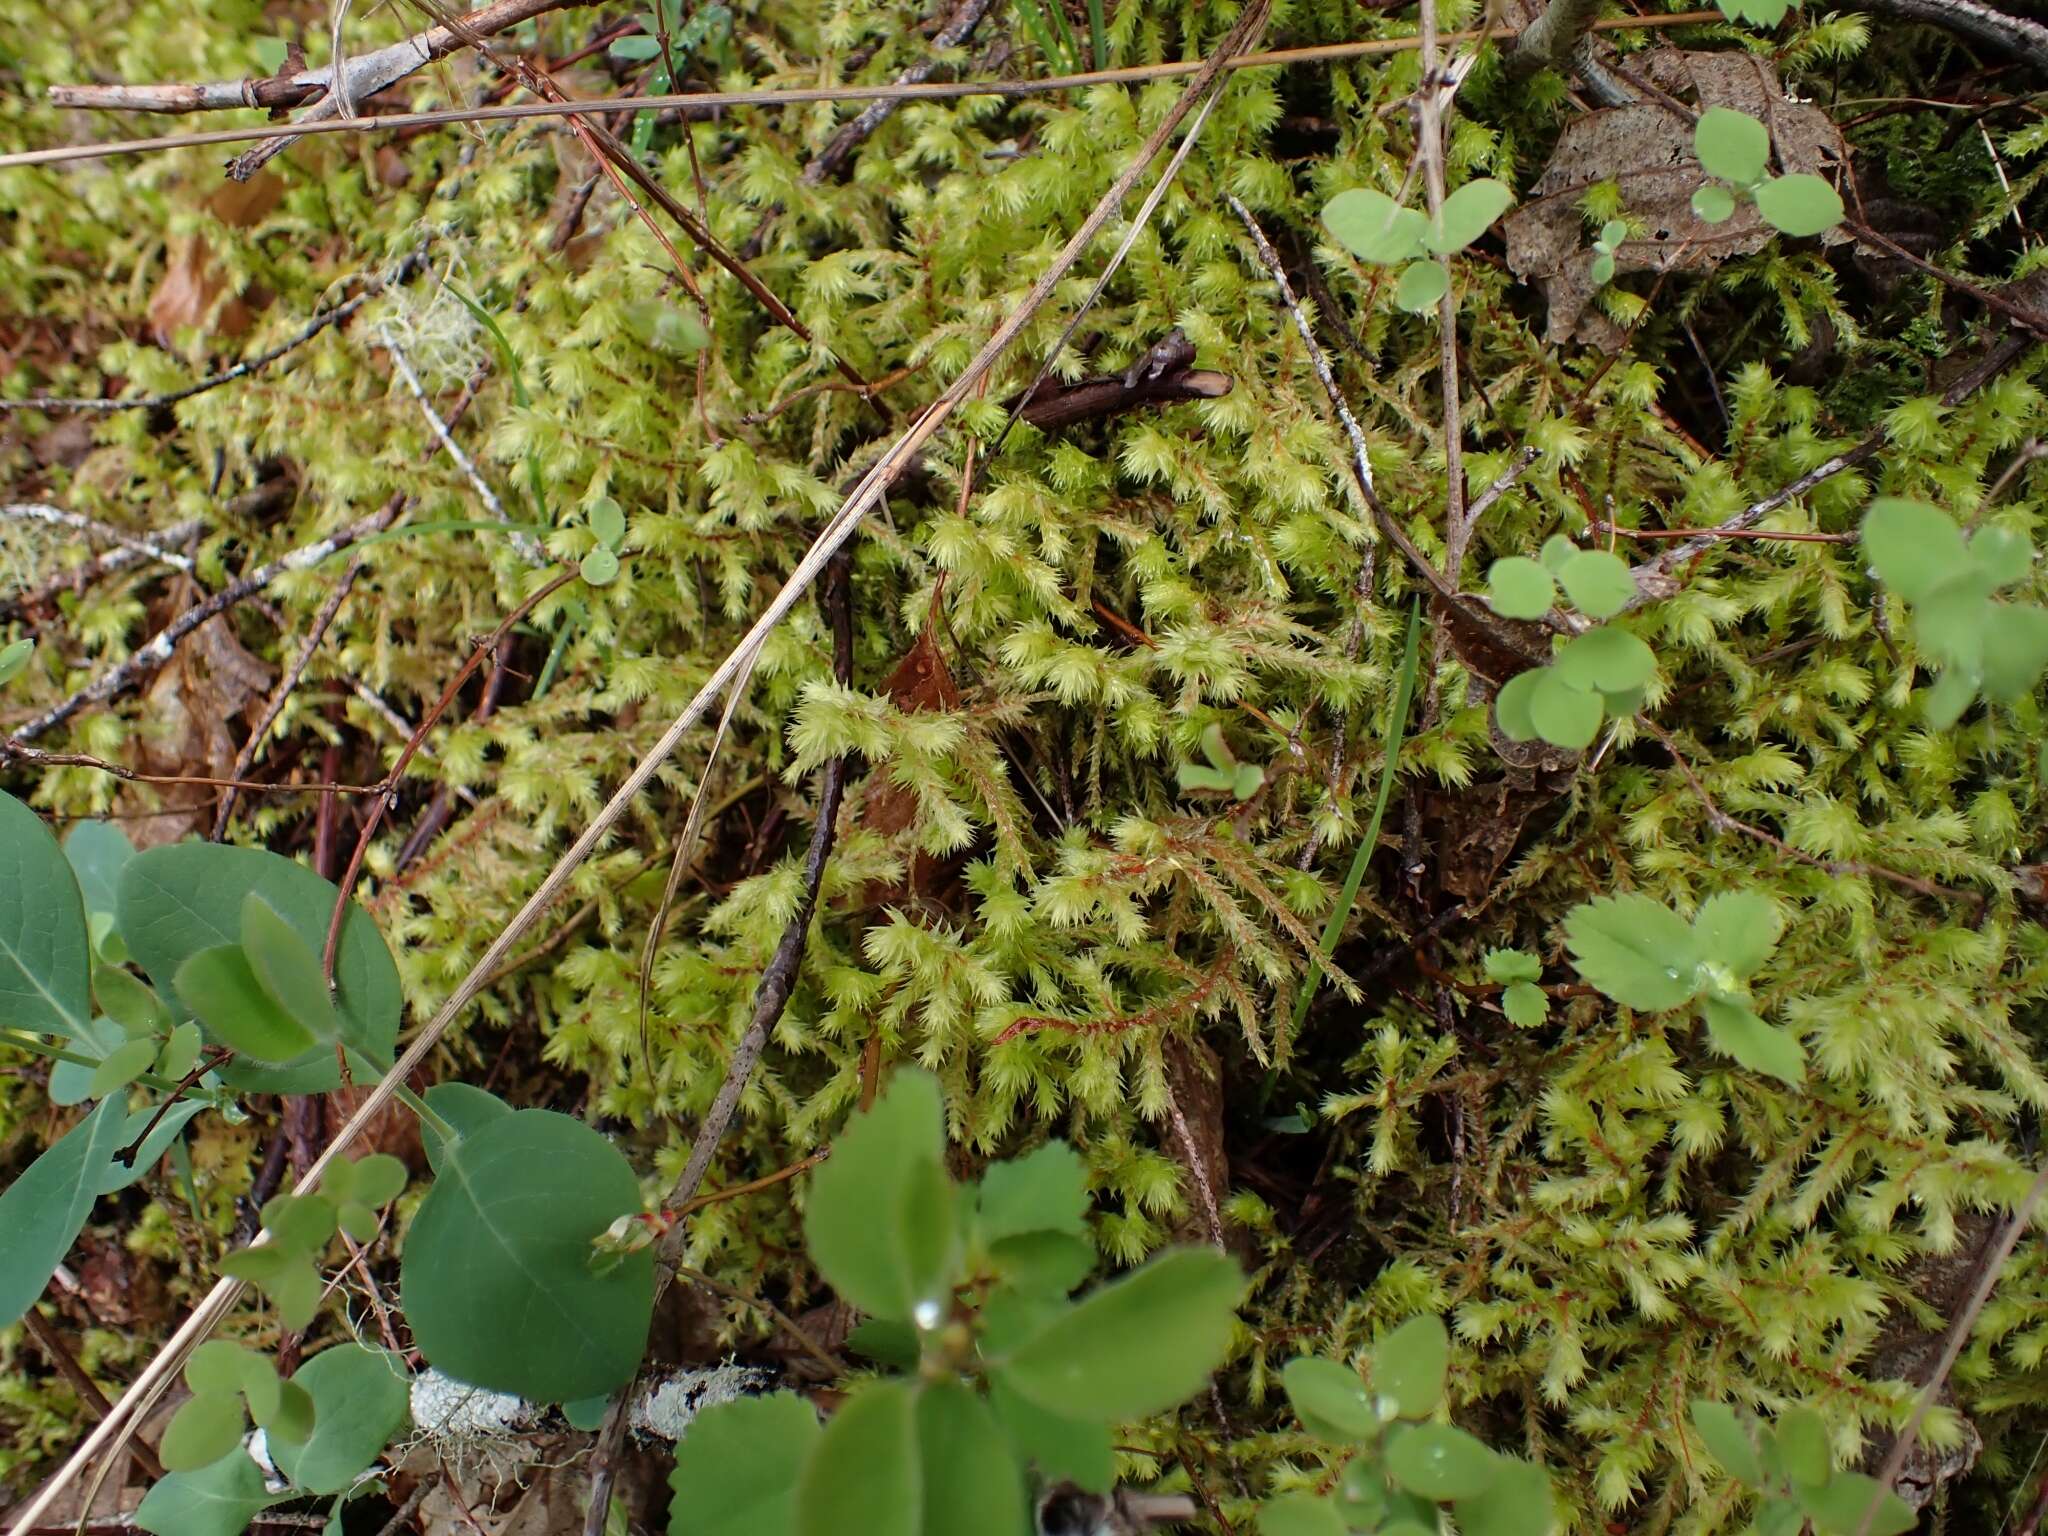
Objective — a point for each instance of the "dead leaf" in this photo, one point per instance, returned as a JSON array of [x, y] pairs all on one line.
[[240, 204], [210, 681], [922, 681], [186, 294], [1648, 150]]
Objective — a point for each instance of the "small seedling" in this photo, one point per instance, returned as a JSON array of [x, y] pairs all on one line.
[[1735, 148], [1225, 774], [1375, 228]]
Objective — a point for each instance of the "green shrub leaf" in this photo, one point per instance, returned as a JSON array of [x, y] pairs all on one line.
[[14, 659], [1564, 716], [1713, 204], [972, 1484], [1440, 1461], [1409, 1365], [360, 1401], [1330, 1399], [1598, 583], [1799, 1445], [287, 968], [219, 1499], [1300, 1514], [1420, 287], [1467, 214], [1608, 659], [496, 1277], [1519, 588], [1731, 145], [1799, 205], [1728, 1441], [467, 1109], [221, 987], [736, 1471], [1374, 228], [1737, 930], [1077, 1450], [862, 1476], [1635, 950], [1136, 1345], [1759, 1046], [1046, 1190], [205, 1429], [1851, 1504], [43, 1211], [45, 952], [1518, 1502]]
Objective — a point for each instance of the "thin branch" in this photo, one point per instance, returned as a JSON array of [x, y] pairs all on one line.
[[789, 1325], [1549, 41], [2023, 40], [158, 651], [1430, 130], [958, 29], [87, 1389], [143, 548], [707, 103]]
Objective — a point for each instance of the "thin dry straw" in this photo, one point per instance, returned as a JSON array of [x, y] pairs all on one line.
[[801, 95]]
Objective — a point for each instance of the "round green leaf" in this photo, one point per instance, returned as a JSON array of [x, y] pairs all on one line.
[[1439, 1461], [174, 902], [1421, 285], [972, 1484], [1045, 1263], [13, 659], [128, 1003], [1525, 1004], [865, 1462], [1728, 1441], [736, 1471], [203, 1431], [1851, 1504], [98, 851], [665, 327], [45, 951], [1731, 145], [600, 568], [465, 1108], [301, 1223], [1511, 704], [1799, 1445], [1467, 213], [2015, 650], [1799, 205], [43, 1211], [1602, 269], [360, 1401], [607, 521], [880, 1215], [1598, 583], [219, 1499], [1330, 1399], [1563, 715], [1300, 1514], [1606, 660], [221, 988], [1135, 1346], [1409, 1365], [1757, 1045], [2003, 555], [1373, 227], [180, 1052], [1713, 204], [291, 1416], [121, 1067], [1076, 1450], [496, 1277], [1914, 548], [1635, 950], [1557, 552], [378, 1179], [287, 967], [1737, 930], [218, 1367], [1613, 232], [1518, 1502], [1519, 588]]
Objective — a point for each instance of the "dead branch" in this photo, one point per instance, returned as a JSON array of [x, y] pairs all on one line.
[[87, 1389], [159, 649], [2026, 41], [1053, 406], [1549, 41], [143, 548]]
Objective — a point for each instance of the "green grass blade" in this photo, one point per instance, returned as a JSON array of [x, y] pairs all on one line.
[[1098, 34], [1397, 730]]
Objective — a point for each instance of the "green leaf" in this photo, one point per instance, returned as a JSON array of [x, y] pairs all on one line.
[[1737, 930], [1373, 227], [1300, 1514], [1409, 1365], [736, 1471], [301, 1223], [1761, 13], [1076, 1450], [1506, 965], [205, 1429], [1330, 1399], [1799, 205], [1944, 703], [1044, 1263], [607, 521], [666, 328], [120, 1175], [98, 851], [1613, 232], [1557, 552], [1731, 145], [1608, 659], [43, 1211], [1800, 1441], [1525, 1004], [1563, 715], [14, 659], [600, 568], [1635, 950], [1713, 204], [1135, 1346], [218, 1367], [2015, 641], [1519, 588], [1779, 1517], [1046, 1190], [1364, 1497], [496, 1277], [1598, 583], [360, 1402], [1728, 1441], [1467, 214], [467, 1110], [177, 901], [2002, 555], [217, 1500], [1914, 548], [1601, 269], [1511, 704], [287, 968], [887, 1341], [1757, 1045], [1420, 287], [180, 1052], [1518, 1502], [222, 989], [291, 1420], [375, 1181], [880, 1216], [128, 1003], [45, 952], [972, 1484], [1440, 1461], [121, 1067], [1851, 1504], [637, 50], [862, 1477], [284, 1275]]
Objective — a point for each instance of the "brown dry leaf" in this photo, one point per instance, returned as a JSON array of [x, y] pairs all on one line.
[[185, 296], [211, 679], [1647, 149], [922, 681], [239, 204]]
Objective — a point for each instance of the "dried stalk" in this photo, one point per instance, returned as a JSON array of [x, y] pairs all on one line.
[[114, 1431]]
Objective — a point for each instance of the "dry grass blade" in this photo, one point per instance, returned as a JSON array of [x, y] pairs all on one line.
[[113, 1432]]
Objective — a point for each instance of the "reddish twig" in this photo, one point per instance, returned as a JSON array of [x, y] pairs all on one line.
[[88, 1391]]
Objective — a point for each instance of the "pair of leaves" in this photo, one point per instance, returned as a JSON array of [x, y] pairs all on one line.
[[1983, 645], [1612, 233], [1597, 581], [1225, 774], [1736, 148], [1524, 1002], [1642, 954], [1599, 675], [607, 521], [1373, 227], [1790, 1463], [226, 1380], [286, 1269]]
